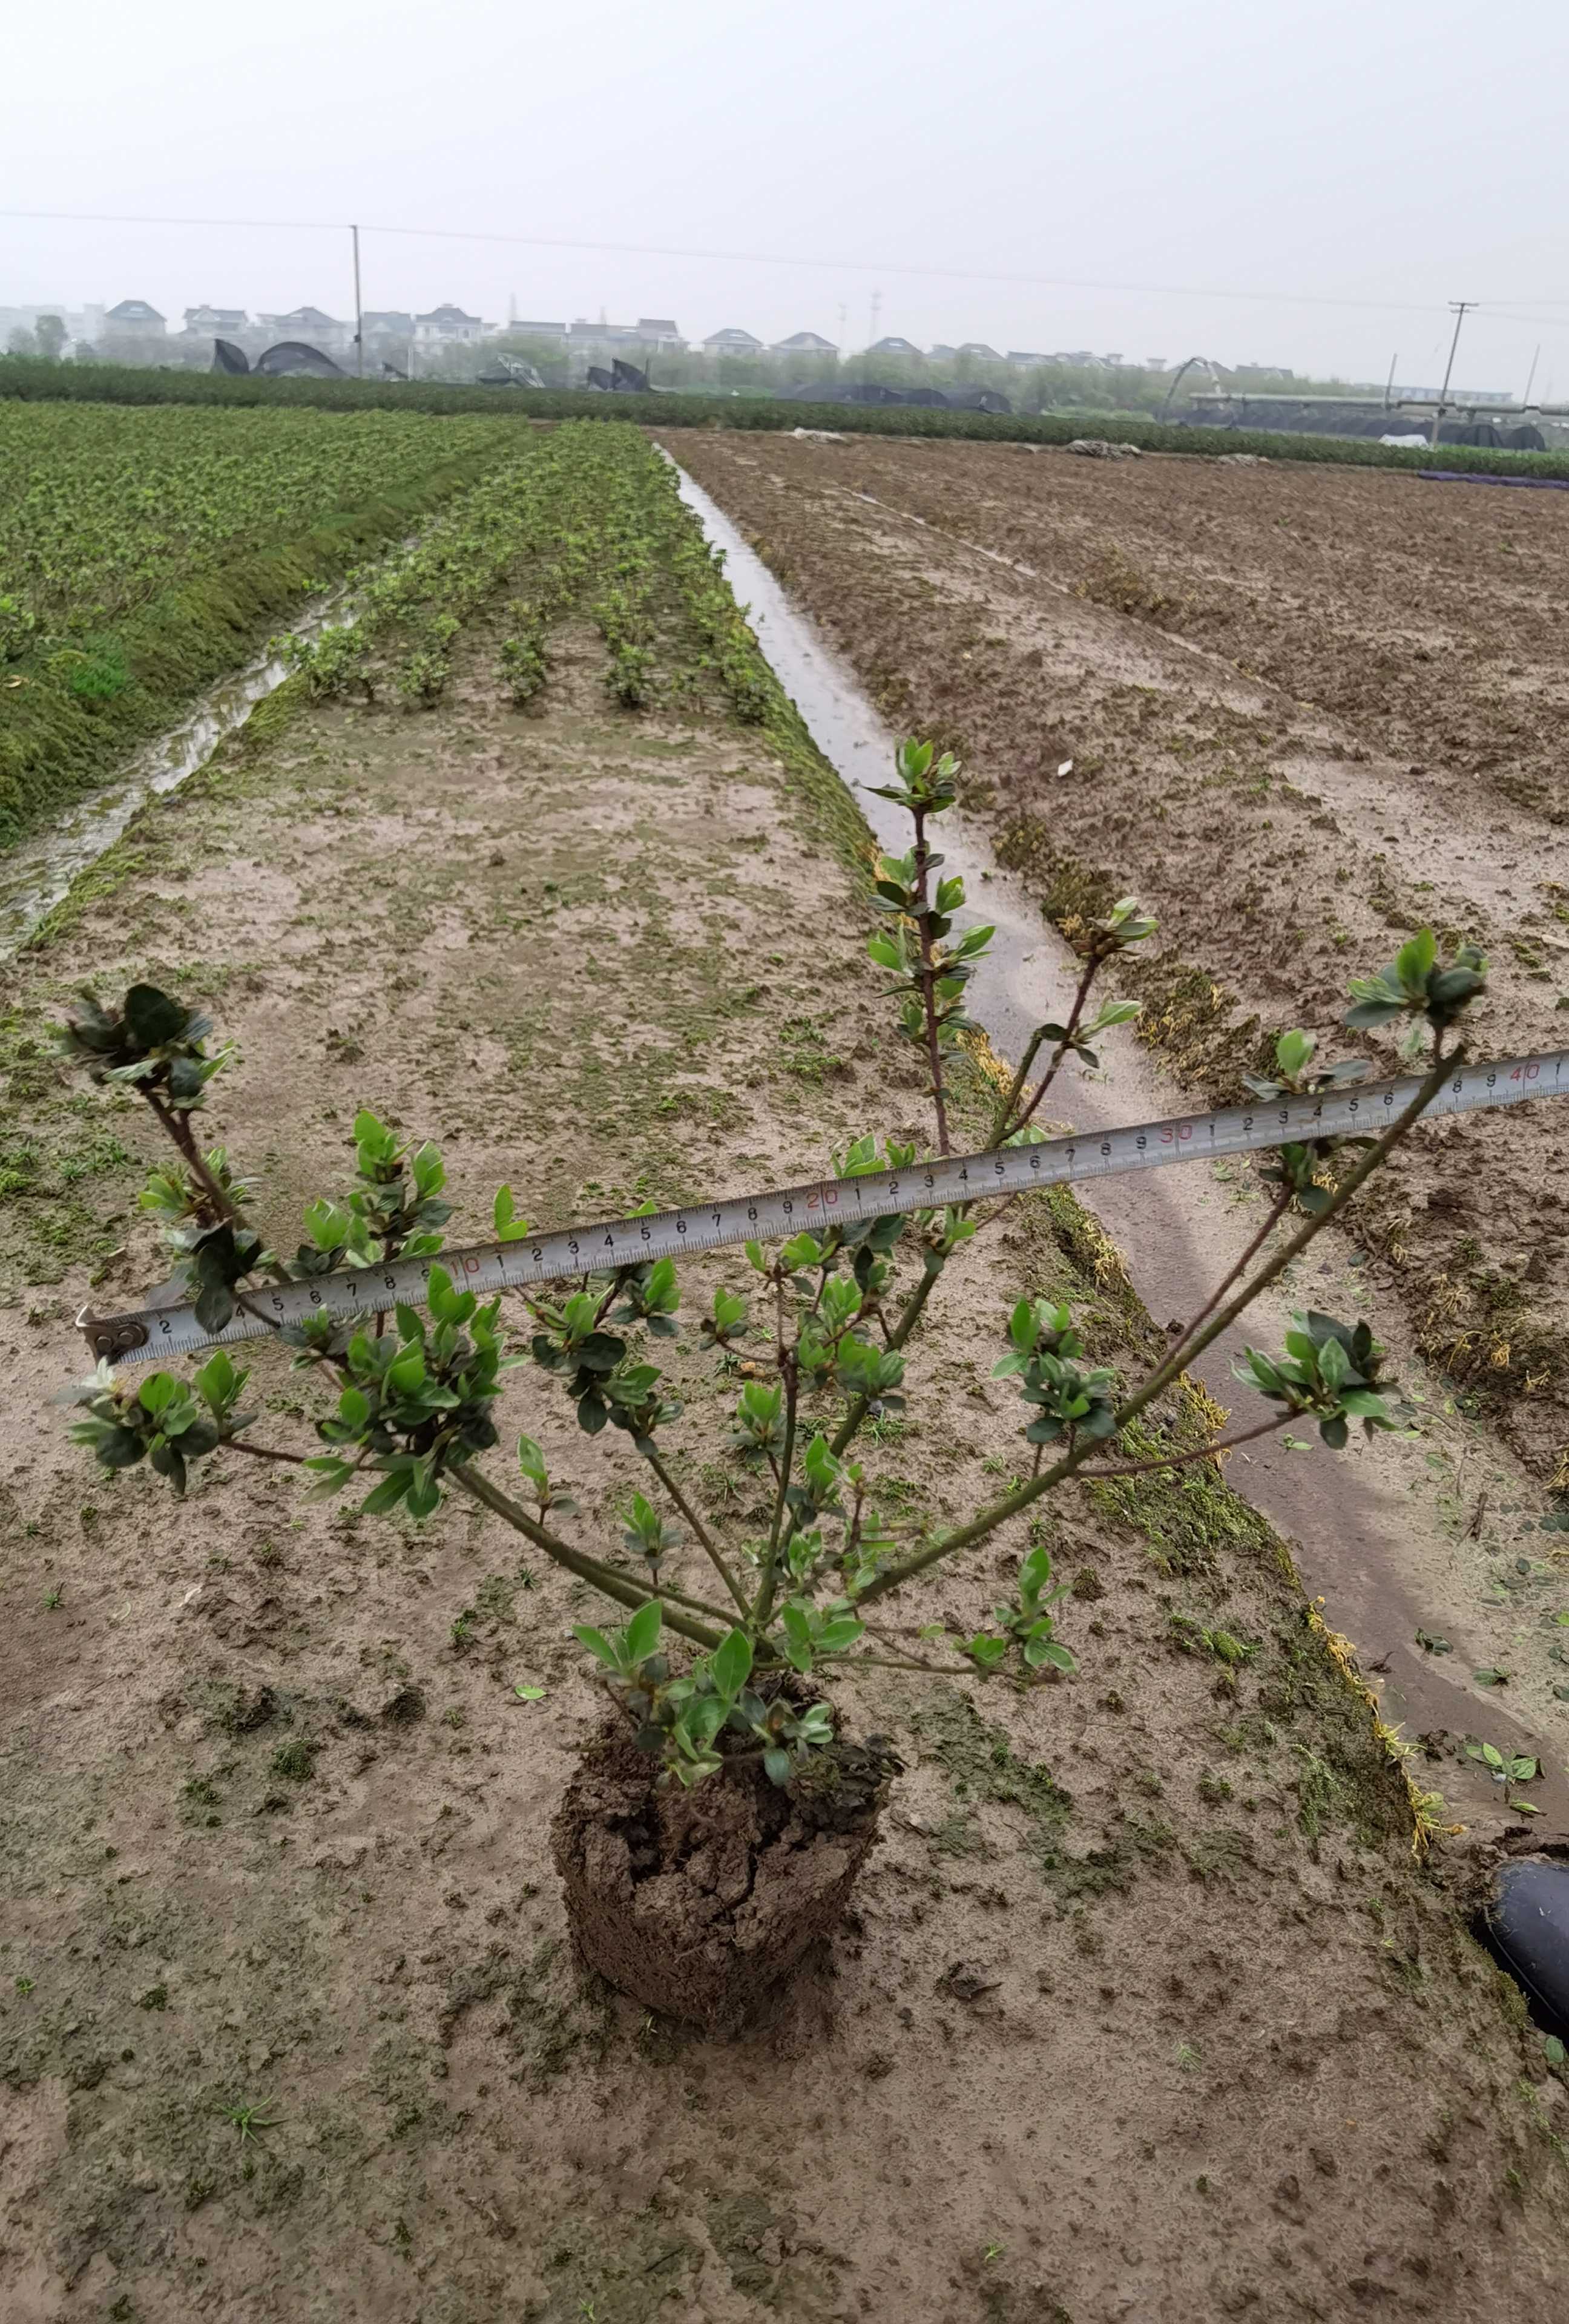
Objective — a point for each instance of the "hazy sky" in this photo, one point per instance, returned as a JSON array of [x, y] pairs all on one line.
[[1389, 154]]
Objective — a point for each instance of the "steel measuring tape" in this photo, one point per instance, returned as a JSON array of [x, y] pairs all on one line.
[[148, 1333]]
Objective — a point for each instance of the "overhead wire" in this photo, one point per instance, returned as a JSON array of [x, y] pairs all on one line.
[[749, 258]]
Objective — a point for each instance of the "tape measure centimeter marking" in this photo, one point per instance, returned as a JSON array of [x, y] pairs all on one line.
[[147, 1334]]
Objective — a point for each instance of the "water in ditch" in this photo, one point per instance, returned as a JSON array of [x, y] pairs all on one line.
[[1372, 1527], [36, 875]]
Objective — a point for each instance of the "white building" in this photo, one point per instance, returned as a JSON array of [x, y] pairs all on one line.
[[447, 326]]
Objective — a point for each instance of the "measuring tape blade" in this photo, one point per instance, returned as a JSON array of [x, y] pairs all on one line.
[[1362, 1109]]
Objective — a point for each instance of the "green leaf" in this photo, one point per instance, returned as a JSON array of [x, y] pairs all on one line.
[[156, 1394], [642, 1632], [152, 1019], [331, 1476], [529, 1694], [424, 1494], [798, 1630], [1413, 961], [509, 1227], [429, 1172], [596, 1643], [730, 1664], [1293, 1052], [387, 1494], [326, 1225], [776, 1766]]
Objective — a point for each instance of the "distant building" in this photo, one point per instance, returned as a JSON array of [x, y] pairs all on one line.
[[520, 330], [1421, 394], [388, 323], [447, 326], [82, 323], [941, 354], [206, 321], [650, 333], [1080, 357], [893, 345], [132, 318], [1025, 358], [1155, 362], [979, 347], [731, 342], [803, 343], [310, 324]]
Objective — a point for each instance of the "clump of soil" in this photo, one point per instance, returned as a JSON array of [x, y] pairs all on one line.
[[697, 1903]]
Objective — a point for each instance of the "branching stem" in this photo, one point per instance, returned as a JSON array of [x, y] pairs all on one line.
[[929, 980], [715, 1555], [1195, 1452], [894, 1577], [1278, 1209], [621, 1586], [1004, 1125], [262, 1452]]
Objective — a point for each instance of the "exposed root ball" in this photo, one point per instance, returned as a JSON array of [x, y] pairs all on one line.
[[697, 1903]]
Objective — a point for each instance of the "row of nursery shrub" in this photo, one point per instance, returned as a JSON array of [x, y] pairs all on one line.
[[27, 377]]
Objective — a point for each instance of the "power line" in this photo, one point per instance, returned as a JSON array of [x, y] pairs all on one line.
[[121, 217], [753, 258]]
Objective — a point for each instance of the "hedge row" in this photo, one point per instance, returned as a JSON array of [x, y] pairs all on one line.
[[26, 376]]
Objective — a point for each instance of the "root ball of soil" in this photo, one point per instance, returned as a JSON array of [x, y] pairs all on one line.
[[697, 1903]]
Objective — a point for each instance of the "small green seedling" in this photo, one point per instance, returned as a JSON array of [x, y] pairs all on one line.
[[1504, 1767], [252, 2121]]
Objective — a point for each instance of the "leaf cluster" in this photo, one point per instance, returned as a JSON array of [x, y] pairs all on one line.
[[1331, 1371]]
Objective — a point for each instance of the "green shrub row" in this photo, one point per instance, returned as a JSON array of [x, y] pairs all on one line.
[[60, 735], [22, 375]]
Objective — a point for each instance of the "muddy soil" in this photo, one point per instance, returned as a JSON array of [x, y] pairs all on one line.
[[1145, 2010], [1293, 733]]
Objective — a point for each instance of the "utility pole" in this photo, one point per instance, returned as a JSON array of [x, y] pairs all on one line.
[[1390, 383], [876, 310], [359, 320], [1531, 375], [1459, 308]]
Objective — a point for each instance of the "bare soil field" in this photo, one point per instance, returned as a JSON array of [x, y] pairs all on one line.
[[1149, 2010], [1305, 713]]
